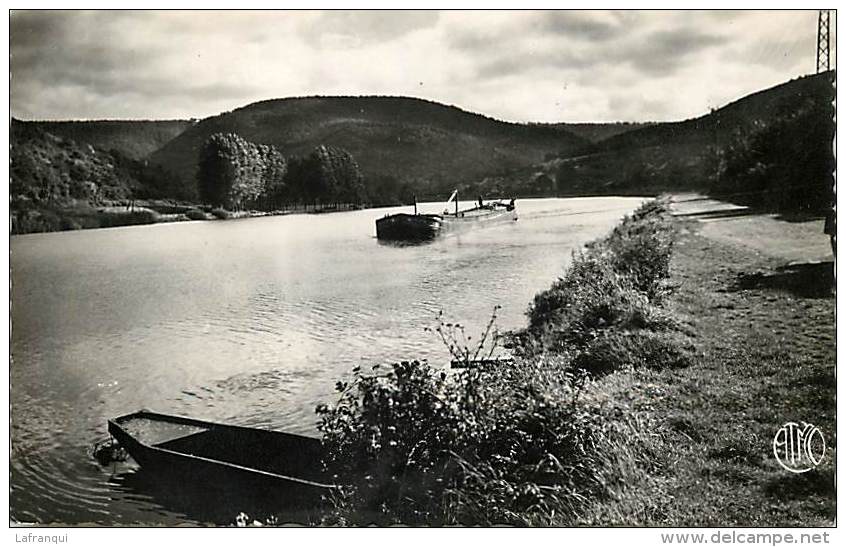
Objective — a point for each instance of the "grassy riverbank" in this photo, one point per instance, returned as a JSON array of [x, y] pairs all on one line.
[[84, 216], [647, 391], [765, 338]]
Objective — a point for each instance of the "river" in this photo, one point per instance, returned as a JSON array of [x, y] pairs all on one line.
[[248, 321]]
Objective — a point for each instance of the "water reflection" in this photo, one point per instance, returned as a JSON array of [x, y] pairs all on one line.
[[174, 500]]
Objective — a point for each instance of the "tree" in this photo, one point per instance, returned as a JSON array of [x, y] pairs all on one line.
[[216, 173], [328, 174], [274, 169], [235, 173], [784, 165]]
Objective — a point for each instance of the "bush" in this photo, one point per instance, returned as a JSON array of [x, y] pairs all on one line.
[[108, 219], [27, 221], [500, 446], [68, 223], [221, 214], [195, 214], [388, 439], [47, 219]]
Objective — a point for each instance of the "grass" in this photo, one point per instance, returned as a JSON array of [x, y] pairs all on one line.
[[765, 356], [768, 357], [609, 296], [615, 351]]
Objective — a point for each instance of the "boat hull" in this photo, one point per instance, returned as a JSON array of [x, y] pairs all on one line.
[[408, 227], [228, 458]]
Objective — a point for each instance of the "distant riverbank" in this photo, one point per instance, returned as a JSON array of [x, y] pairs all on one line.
[[84, 216]]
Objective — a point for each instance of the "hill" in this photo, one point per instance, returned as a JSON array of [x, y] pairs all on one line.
[[135, 139], [421, 144], [46, 168], [685, 155], [57, 183], [720, 125]]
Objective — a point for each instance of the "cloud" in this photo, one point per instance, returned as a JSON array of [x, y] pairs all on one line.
[[111, 57], [335, 29], [662, 52], [576, 25], [620, 104], [517, 65], [538, 26], [524, 62], [29, 29]]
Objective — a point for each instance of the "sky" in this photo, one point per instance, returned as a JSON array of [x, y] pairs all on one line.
[[523, 66]]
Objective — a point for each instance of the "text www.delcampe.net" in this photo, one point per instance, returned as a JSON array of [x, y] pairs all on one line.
[[752, 538]]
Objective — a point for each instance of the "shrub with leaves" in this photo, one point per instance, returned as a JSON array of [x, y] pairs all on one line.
[[461, 346], [415, 444], [540, 449], [389, 439]]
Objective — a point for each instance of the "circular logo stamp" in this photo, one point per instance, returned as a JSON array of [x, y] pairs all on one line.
[[799, 448]]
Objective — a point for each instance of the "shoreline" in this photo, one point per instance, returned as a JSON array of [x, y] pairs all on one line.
[[142, 213], [149, 212], [675, 423]]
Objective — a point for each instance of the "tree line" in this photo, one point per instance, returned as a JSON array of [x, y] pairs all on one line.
[[237, 174], [784, 165]]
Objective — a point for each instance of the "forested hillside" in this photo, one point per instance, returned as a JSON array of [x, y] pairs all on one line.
[[789, 128], [403, 145], [135, 139]]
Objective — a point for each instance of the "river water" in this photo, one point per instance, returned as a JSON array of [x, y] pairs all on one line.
[[248, 321]]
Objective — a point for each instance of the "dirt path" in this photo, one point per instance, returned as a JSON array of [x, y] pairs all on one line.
[[795, 240]]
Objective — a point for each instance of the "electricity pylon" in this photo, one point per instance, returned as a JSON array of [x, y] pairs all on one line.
[[823, 48]]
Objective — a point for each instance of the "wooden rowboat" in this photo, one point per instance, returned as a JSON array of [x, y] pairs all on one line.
[[230, 457]]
